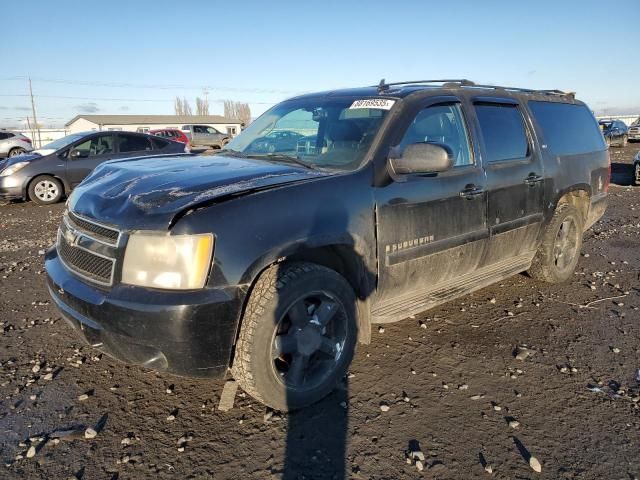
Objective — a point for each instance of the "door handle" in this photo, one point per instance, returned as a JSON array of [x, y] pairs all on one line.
[[471, 191], [532, 179]]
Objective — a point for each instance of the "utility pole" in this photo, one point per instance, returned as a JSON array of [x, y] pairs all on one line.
[[35, 119]]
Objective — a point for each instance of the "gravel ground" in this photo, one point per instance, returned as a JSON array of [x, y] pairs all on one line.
[[449, 378]]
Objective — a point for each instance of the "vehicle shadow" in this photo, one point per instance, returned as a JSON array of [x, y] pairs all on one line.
[[317, 435], [622, 173]]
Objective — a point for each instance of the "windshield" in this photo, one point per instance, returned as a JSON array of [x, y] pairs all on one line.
[[63, 142], [320, 132]]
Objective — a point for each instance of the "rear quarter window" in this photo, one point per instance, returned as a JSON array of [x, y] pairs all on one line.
[[567, 129]]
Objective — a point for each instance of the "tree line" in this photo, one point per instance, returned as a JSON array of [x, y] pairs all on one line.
[[232, 109]]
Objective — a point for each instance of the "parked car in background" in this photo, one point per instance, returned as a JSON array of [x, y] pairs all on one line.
[[47, 174], [636, 169], [634, 130], [615, 132], [13, 143], [205, 136], [280, 141], [172, 134]]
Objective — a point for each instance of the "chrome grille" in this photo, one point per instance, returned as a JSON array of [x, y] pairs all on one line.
[[98, 231], [88, 248]]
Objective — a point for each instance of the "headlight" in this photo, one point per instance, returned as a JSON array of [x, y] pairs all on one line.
[[10, 170], [179, 262]]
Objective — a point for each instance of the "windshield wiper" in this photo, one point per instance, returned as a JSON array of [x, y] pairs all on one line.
[[231, 152], [285, 158]]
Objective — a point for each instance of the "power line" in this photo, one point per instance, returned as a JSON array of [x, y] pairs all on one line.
[[108, 99], [154, 86]]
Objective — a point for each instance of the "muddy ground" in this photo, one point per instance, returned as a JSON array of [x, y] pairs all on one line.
[[452, 385]]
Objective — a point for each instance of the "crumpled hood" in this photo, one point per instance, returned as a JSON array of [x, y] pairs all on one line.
[[147, 193]]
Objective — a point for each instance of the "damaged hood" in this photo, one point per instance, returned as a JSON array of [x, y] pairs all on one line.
[[147, 193]]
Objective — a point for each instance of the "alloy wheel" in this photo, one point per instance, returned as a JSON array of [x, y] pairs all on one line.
[[309, 340], [46, 190], [565, 247]]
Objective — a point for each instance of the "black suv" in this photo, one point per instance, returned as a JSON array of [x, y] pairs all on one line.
[[272, 265]]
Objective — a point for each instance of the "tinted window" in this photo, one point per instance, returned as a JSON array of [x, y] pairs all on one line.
[[441, 124], [159, 143], [134, 143], [567, 129], [503, 132], [4, 136], [98, 145]]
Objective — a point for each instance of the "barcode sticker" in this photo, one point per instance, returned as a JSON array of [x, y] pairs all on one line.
[[379, 103]]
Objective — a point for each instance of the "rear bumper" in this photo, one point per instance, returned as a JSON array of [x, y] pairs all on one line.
[[187, 334], [596, 210]]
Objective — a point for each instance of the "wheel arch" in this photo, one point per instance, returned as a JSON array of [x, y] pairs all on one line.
[[579, 196], [342, 257]]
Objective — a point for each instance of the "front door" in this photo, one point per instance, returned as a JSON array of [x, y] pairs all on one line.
[[432, 228], [87, 155], [515, 179]]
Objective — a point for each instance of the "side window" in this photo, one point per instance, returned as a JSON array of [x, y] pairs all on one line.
[[133, 143], [159, 144], [99, 145], [441, 124], [568, 129], [4, 136], [199, 129], [503, 131]]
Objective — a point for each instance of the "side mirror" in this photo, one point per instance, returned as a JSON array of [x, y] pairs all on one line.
[[76, 154], [423, 158]]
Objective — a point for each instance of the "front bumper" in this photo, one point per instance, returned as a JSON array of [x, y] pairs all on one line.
[[10, 188], [183, 333]]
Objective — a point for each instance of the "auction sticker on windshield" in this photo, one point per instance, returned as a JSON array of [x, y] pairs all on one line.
[[379, 103]]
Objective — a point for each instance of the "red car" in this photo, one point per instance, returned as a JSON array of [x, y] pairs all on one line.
[[172, 134]]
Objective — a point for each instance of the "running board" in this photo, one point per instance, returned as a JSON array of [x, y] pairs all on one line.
[[401, 307]]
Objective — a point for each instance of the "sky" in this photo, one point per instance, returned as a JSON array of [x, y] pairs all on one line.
[[135, 57]]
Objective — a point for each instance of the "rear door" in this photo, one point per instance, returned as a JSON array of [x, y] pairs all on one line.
[[515, 178], [92, 152], [432, 228]]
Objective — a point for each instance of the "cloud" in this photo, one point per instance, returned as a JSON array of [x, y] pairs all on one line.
[[89, 107], [124, 108]]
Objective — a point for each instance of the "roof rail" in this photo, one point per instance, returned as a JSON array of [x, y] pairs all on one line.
[[457, 83]]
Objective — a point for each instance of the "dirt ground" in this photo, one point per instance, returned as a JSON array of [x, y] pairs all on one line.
[[449, 378]]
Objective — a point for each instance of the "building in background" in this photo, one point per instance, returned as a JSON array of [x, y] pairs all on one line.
[[144, 123]]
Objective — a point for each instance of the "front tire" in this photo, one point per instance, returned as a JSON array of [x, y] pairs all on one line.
[[298, 336], [559, 251], [45, 190]]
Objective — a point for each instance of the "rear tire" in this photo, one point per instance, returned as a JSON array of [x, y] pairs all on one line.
[[297, 337], [45, 190], [559, 251], [16, 151]]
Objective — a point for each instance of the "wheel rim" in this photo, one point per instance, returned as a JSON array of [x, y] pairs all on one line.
[[46, 190], [565, 247], [309, 341], [15, 152]]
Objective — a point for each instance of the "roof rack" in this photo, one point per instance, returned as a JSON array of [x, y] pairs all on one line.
[[457, 83]]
